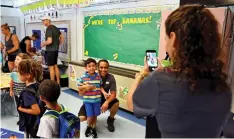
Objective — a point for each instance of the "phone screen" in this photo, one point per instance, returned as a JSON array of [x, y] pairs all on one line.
[[151, 58]]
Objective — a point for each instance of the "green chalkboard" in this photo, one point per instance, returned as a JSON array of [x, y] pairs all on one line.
[[121, 38]]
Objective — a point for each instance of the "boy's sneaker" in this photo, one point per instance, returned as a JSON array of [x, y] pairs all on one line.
[[110, 123], [94, 133], [88, 131]]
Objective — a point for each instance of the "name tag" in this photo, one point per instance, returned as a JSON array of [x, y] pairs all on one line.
[[107, 82]]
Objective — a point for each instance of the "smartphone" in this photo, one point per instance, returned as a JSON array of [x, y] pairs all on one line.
[[151, 58]]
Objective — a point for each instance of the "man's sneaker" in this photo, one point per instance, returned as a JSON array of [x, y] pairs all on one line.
[[110, 123], [88, 131], [94, 133]]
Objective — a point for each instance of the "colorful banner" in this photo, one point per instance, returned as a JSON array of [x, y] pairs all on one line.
[[71, 1], [48, 3], [61, 1], [122, 38], [40, 4], [53, 2]]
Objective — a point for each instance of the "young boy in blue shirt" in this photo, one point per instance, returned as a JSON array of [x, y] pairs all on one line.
[[89, 86]]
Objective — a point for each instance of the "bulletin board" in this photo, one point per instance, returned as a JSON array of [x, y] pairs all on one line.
[[122, 38], [123, 35]]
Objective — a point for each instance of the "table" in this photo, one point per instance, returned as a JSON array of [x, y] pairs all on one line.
[[5, 81], [5, 87]]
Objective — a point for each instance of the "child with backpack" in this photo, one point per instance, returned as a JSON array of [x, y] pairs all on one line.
[[56, 122], [28, 105], [16, 85]]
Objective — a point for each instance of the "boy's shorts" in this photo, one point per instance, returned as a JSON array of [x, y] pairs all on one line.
[[93, 109]]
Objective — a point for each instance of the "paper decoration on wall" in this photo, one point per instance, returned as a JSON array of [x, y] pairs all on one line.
[[86, 53], [122, 93], [63, 46], [37, 43], [115, 56], [13, 29], [72, 73], [119, 26]]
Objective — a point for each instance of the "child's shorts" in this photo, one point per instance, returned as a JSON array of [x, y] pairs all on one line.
[[93, 109]]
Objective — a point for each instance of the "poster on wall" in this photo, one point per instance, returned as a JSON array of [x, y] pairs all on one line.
[[122, 93], [63, 46], [37, 43], [12, 29], [72, 73]]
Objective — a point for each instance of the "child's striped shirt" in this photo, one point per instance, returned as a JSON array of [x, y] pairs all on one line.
[[93, 96]]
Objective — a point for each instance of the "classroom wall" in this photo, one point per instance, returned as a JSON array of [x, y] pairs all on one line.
[[14, 17], [81, 11], [66, 16]]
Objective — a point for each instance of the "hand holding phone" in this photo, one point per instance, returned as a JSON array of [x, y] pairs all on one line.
[[151, 59]]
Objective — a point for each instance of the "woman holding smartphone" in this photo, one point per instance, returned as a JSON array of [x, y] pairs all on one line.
[[194, 99]]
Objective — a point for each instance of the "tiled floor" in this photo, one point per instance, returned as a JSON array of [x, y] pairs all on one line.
[[127, 126]]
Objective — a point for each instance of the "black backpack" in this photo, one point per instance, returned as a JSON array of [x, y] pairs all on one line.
[[34, 124]]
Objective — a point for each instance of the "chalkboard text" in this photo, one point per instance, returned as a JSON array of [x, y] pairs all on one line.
[[140, 20], [97, 22], [112, 21]]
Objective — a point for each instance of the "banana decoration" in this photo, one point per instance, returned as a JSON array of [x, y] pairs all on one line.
[[119, 26], [86, 53], [115, 56], [89, 22]]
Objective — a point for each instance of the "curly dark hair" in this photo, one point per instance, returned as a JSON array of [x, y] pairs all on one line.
[[197, 46], [29, 66]]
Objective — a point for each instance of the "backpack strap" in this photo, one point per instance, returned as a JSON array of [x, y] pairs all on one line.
[[52, 113], [62, 107], [55, 114]]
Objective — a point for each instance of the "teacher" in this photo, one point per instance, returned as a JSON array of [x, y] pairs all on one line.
[[110, 102], [25, 43], [193, 100], [11, 45]]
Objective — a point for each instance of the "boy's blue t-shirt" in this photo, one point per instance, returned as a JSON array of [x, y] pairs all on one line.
[[93, 96], [27, 100]]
